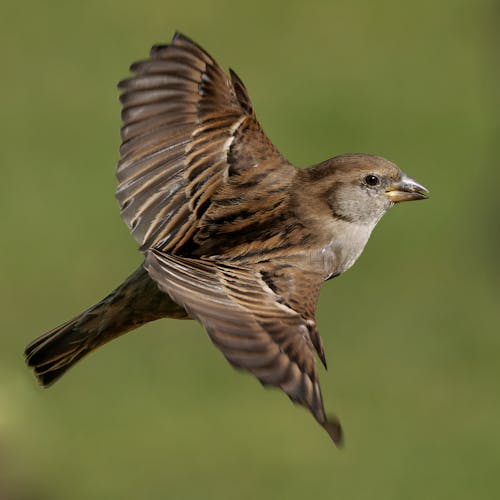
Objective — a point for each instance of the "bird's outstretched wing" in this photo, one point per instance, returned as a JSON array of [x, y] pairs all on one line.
[[251, 322], [188, 129]]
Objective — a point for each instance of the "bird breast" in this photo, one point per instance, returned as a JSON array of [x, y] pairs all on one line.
[[344, 248]]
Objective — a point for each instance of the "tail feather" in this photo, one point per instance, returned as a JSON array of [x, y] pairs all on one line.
[[52, 354], [135, 302], [32, 347]]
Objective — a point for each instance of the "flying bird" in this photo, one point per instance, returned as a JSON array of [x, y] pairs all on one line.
[[233, 235]]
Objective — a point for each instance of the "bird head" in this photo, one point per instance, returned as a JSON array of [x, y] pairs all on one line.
[[360, 188]]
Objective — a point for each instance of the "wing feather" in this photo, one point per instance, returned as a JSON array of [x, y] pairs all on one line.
[[181, 115], [252, 326]]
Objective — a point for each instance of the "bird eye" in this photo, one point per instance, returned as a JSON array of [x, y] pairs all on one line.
[[372, 180]]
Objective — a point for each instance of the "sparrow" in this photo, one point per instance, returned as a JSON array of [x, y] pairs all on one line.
[[233, 235]]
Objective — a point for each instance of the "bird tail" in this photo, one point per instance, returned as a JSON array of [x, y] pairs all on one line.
[[137, 301], [52, 354]]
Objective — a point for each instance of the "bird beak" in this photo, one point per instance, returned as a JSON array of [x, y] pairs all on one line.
[[406, 189]]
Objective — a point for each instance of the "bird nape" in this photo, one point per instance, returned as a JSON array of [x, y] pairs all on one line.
[[233, 235]]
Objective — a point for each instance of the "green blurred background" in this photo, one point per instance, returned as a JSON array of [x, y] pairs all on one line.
[[411, 332]]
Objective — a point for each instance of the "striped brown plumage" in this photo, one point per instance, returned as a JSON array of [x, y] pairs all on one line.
[[181, 117], [249, 322], [233, 235]]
